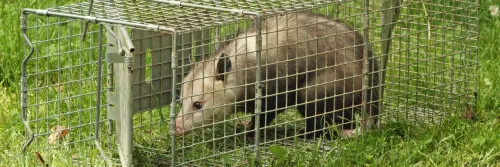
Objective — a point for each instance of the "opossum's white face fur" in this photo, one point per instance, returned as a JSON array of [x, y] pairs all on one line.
[[204, 94]]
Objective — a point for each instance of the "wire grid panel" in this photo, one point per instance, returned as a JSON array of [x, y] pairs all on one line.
[[312, 71], [148, 13], [432, 67], [430, 75], [62, 90], [182, 19]]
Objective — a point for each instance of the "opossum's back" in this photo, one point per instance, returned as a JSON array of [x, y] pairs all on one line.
[[296, 48], [318, 32], [308, 42]]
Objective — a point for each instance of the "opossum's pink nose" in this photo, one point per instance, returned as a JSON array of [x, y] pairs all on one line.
[[179, 127], [178, 130]]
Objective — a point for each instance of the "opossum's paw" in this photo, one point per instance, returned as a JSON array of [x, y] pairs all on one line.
[[178, 131]]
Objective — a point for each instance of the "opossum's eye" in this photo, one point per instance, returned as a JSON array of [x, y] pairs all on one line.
[[197, 105]]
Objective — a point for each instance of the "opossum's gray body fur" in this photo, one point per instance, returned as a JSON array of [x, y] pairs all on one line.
[[308, 61]]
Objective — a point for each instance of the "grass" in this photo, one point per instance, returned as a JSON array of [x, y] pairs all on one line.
[[456, 142]]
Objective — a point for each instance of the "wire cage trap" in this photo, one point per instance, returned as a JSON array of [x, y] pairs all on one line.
[[204, 83]]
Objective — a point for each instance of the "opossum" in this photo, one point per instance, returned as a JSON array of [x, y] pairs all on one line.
[[309, 62]]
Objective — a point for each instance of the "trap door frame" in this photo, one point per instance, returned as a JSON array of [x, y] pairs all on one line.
[[141, 77]]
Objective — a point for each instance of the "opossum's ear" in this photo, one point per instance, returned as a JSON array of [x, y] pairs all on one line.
[[223, 66]]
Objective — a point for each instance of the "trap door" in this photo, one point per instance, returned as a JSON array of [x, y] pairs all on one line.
[[140, 101], [152, 77], [151, 74]]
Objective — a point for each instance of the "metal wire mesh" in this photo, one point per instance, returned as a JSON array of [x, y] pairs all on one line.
[[178, 18], [430, 73], [432, 67], [225, 139], [62, 78]]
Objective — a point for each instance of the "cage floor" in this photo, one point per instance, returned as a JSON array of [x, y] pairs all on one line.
[[243, 152], [414, 115], [235, 158]]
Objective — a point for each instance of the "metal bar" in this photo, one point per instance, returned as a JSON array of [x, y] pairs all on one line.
[[101, 152], [173, 104], [24, 84], [98, 103], [390, 15], [121, 155], [217, 38], [100, 20], [258, 95], [476, 58], [99, 84], [118, 42], [452, 63], [126, 115], [85, 28], [129, 48], [128, 42], [366, 65]]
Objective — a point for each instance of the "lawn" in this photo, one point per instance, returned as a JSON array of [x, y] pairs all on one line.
[[455, 142]]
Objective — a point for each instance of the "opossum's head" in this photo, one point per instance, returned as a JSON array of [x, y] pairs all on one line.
[[205, 94]]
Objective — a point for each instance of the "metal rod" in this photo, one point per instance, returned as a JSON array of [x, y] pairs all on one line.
[[99, 84], [24, 84], [476, 69], [366, 79], [452, 64], [118, 41], [85, 28], [258, 95], [103, 155], [217, 38], [390, 14], [173, 104], [98, 103], [120, 154], [100, 20], [130, 45]]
